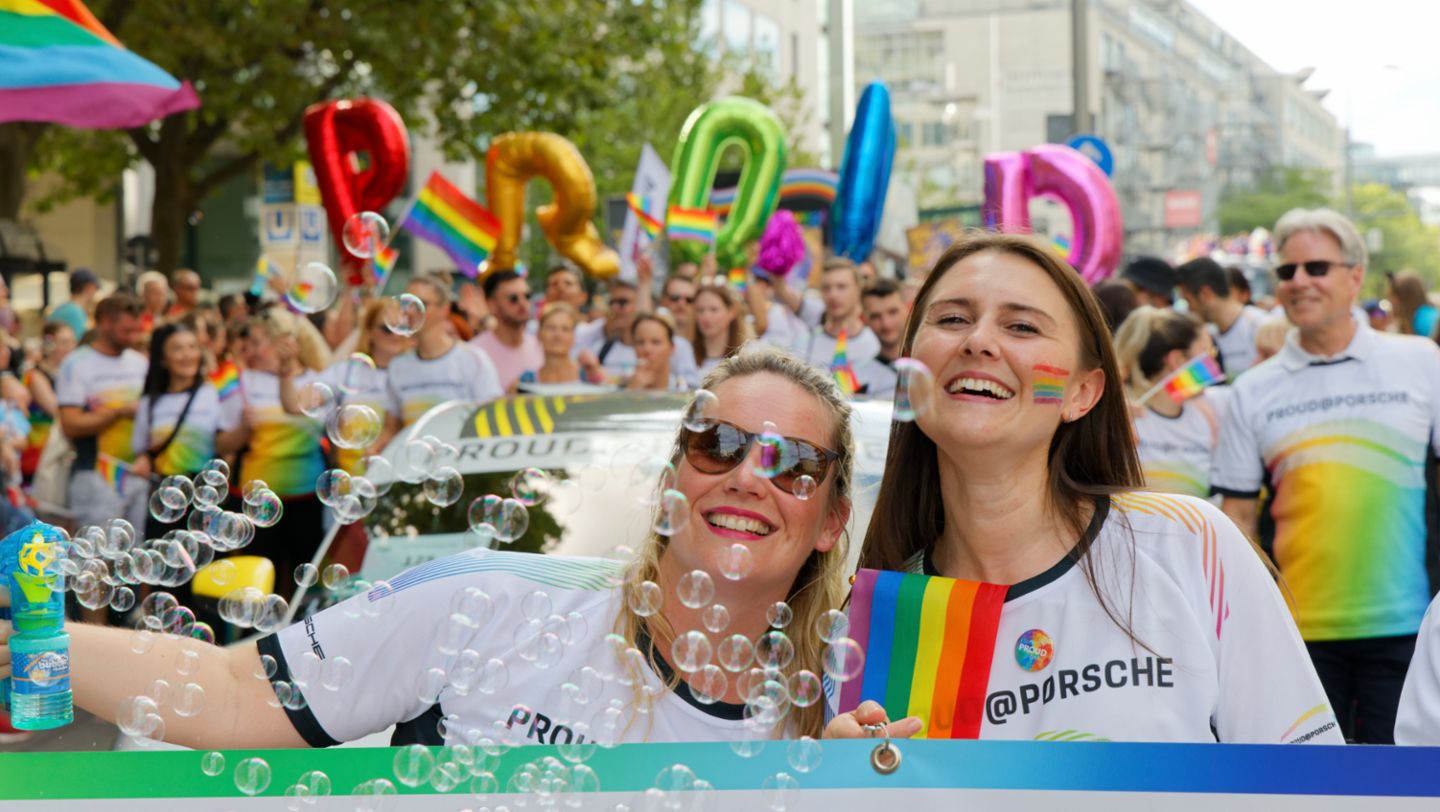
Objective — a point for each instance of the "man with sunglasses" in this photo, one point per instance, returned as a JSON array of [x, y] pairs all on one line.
[[677, 297], [511, 347], [1339, 427], [609, 340]]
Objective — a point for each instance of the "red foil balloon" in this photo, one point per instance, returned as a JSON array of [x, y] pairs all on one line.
[[1012, 178], [337, 134]]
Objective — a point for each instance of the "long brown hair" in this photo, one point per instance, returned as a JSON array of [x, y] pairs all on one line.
[[739, 331], [1090, 457]]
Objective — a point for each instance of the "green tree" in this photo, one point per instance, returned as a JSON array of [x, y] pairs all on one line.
[[1279, 191], [1397, 238], [461, 69]]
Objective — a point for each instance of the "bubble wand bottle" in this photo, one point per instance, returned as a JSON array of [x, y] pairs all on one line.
[[38, 692]]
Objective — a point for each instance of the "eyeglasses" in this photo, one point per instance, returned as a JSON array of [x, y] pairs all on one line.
[[720, 448], [677, 298], [517, 297], [621, 302], [1314, 269]]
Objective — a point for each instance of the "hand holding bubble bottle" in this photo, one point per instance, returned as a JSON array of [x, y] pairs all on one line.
[[37, 694]]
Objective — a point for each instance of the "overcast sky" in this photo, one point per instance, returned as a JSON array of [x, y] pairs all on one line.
[[1352, 44]]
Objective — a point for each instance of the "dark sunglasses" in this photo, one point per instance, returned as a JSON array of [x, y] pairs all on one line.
[[720, 448], [1314, 269], [517, 297], [675, 297]]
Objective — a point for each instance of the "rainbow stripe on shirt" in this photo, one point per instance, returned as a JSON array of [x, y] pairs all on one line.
[[284, 451]]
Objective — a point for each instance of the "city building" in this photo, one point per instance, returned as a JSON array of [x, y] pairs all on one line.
[[1185, 108]]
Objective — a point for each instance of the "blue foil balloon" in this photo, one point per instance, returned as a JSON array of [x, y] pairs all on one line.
[[864, 175]]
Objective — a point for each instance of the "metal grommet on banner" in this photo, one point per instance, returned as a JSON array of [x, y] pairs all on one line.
[[885, 758]]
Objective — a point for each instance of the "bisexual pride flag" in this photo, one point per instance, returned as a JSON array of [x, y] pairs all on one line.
[[928, 644]]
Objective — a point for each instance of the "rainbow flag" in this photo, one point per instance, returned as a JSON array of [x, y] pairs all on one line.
[[226, 379], [265, 270], [691, 224], [59, 64], [382, 264], [1191, 379], [445, 216], [841, 369], [641, 206], [112, 471], [736, 278], [1050, 383], [928, 644], [794, 185]]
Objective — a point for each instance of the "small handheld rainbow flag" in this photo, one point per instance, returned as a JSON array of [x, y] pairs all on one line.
[[265, 270], [691, 224], [226, 379], [648, 222], [382, 264], [445, 216], [841, 369], [1189, 380], [928, 642], [736, 278]]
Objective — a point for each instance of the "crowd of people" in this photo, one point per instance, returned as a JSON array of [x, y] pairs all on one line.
[[1248, 564]]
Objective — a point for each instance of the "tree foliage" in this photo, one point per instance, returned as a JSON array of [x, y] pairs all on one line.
[[1279, 191], [1399, 241]]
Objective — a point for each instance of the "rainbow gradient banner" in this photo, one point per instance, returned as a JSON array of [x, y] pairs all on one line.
[[928, 643]]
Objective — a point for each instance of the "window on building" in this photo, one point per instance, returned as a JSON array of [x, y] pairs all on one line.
[[736, 27], [765, 45], [934, 134], [905, 134]]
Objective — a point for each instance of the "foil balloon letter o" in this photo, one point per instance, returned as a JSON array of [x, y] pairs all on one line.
[[514, 159], [334, 131], [708, 132], [864, 175]]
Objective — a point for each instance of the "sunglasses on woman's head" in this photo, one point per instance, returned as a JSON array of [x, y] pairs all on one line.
[[722, 446]]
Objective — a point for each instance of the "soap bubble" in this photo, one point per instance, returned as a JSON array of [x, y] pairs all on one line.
[[315, 784], [695, 589], [161, 511], [843, 660], [266, 667], [699, 414], [252, 775], [365, 233], [156, 607], [331, 486], [735, 653], [414, 765], [215, 473], [804, 753], [473, 604], [530, 486], [832, 625], [691, 651], [773, 456], [316, 399], [354, 426], [313, 289], [774, 651], [306, 574], [266, 510], [334, 576], [736, 561], [335, 672], [781, 787], [419, 456], [716, 618], [375, 795], [358, 373], [189, 700], [404, 314], [379, 471], [177, 485], [914, 389], [709, 684], [672, 514], [779, 614], [444, 486], [645, 599], [123, 599], [803, 487], [212, 763], [503, 520], [430, 684], [805, 688], [494, 675]]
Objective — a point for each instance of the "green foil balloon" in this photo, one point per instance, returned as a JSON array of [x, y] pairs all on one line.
[[708, 132]]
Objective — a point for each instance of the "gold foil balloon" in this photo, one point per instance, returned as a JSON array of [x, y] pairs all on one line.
[[513, 160]]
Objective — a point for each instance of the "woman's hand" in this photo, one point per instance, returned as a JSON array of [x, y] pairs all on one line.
[[141, 466], [287, 351], [853, 725]]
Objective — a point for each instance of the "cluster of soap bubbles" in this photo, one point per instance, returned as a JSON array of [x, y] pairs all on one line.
[[348, 425], [352, 498]]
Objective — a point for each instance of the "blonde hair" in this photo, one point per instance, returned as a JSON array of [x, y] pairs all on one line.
[[554, 309], [1146, 336], [1270, 335], [820, 583], [275, 323], [370, 318]]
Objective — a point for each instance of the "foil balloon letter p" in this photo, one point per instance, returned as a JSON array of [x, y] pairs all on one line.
[[1013, 178], [864, 175], [708, 132], [514, 159], [337, 133]]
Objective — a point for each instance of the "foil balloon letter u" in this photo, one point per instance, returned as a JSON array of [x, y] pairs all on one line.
[[338, 131], [864, 175], [708, 132], [514, 159], [1051, 170]]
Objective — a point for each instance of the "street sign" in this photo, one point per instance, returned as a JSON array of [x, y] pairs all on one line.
[[1092, 147]]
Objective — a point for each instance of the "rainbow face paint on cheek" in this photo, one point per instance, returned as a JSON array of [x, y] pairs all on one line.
[[1049, 383]]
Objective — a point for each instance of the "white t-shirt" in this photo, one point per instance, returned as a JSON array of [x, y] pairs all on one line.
[[360, 384], [783, 328], [1342, 445], [877, 377], [1237, 345], [194, 443], [818, 349], [620, 359], [418, 384], [393, 637], [93, 380], [1417, 723], [1176, 453], [1218, 655]]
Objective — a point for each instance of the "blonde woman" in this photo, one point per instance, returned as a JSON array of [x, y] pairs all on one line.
[[1176, 441], [517, 648]]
